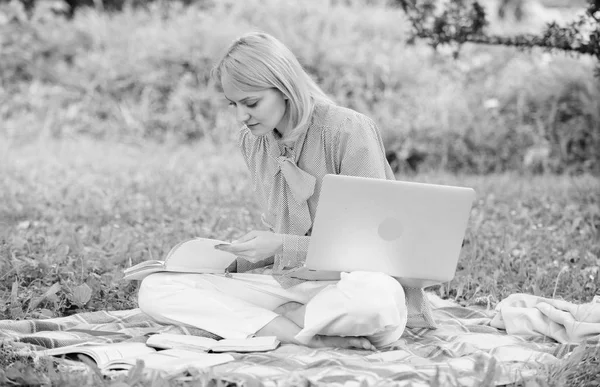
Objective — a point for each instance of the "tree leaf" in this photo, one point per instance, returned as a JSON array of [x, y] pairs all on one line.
[[49, 294], [61, 252], [24, 225], [14, 293], [46, 313], [576, 223], [81, 294], [94, 283], [52, 290], [16, 313]]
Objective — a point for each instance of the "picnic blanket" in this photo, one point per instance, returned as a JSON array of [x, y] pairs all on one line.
[[565, 322], [463, 350]]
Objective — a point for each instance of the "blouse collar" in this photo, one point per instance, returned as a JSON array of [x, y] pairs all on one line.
[[301, 183]]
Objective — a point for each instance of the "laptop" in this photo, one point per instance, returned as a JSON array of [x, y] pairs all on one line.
[[411, 231]]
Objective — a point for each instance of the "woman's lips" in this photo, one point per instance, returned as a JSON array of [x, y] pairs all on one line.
[[251, 125]]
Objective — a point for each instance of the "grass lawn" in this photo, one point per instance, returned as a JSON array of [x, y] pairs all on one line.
[[74, 213]]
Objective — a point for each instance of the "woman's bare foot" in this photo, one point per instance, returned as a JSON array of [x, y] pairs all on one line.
[[320, 341], [286, 330]]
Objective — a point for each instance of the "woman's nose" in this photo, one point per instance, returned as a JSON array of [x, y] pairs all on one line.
[[242, 114]]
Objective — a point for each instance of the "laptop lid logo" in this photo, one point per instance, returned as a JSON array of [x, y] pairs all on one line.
[[390, 229]]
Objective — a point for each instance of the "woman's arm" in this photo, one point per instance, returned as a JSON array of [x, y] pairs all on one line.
[[360, 151]]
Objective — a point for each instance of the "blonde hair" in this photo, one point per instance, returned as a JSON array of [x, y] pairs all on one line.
[[258, 61]]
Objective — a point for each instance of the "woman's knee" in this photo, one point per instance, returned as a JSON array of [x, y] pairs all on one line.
[[387, 309]]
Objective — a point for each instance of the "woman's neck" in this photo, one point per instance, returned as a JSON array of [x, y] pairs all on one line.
[[283, 132], [282, 138]]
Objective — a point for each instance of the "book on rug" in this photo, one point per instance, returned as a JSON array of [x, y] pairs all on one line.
[[197, 343], [124, 356], [170, 361], [193, 256], [101, 354]]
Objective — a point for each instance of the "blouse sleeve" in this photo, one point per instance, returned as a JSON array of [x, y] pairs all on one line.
[[294, 252], [360, 149]]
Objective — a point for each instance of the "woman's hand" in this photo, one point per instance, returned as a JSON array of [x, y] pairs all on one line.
[[255, 245]]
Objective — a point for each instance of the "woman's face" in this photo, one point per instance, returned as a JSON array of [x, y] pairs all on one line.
[[261, 111]]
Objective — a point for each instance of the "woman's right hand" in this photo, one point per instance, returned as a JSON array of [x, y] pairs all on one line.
[[255, 246]]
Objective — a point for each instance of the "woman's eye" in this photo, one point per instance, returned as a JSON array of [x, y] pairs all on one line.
[[231, 103], [251, 105]]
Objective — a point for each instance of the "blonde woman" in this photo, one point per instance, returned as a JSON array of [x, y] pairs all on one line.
[[292, 135]]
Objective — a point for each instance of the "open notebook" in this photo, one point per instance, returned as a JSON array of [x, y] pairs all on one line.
[[164, 352], [193, 256], [251, 344], [124, 356]]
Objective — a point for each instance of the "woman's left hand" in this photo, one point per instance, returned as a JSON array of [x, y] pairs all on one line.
[[255, 245]]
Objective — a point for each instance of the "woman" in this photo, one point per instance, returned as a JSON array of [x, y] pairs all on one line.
[[292, 136]]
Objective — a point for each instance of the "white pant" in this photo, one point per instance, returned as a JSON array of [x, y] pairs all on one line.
[[231, 307]]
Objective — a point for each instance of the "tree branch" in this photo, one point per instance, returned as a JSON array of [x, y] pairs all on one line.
[[464, 21]]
